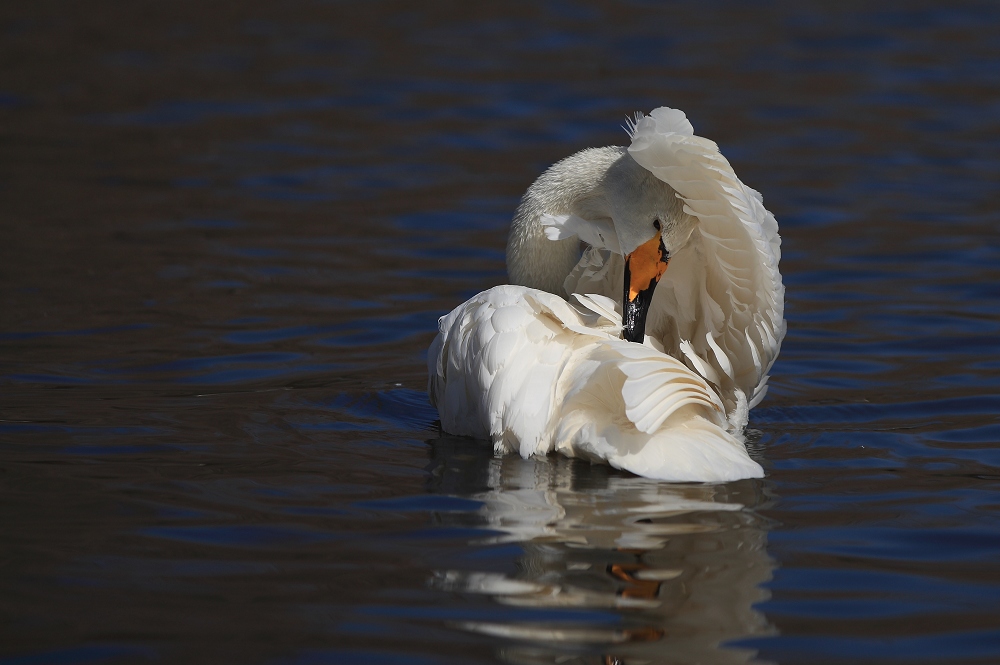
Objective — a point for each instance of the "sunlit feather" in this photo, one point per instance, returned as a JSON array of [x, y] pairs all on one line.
[[522, 366]]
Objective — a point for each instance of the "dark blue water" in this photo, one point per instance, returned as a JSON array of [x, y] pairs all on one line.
[[228, 232]]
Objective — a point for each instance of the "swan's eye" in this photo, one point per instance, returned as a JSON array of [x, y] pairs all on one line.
[[656, 224]]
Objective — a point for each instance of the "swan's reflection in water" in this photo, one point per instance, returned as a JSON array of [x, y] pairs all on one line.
[[670, 572]]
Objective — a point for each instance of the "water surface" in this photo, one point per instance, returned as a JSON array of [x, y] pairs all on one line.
[[228, 233]]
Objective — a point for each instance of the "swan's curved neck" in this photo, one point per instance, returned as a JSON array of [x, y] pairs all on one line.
[[569, 187]]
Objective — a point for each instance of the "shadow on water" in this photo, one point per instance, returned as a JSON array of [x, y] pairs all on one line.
[[609, 564]]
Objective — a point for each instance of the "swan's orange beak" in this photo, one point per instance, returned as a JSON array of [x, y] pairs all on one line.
[[643, 269]]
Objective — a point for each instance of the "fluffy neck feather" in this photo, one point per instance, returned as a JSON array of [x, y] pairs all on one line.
[[569, 187]]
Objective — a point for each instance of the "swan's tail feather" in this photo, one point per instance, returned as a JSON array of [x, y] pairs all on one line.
[[695, 451]]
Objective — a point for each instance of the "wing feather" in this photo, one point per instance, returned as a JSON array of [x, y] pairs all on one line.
[[739, 293], [526, 370]]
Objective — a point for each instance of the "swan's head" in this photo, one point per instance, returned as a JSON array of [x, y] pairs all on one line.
[[651, 227], [578, 198]]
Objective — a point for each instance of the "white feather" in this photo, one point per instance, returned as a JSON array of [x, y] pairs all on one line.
[[535, 373], [596, 233], [603, 306], [581, 392]]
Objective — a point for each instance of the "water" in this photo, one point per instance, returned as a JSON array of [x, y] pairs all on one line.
[[228, 232]]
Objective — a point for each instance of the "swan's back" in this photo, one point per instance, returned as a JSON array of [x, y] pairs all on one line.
[[534, 374]]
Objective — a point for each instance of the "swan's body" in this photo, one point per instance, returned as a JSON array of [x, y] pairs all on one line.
[[531, 371]]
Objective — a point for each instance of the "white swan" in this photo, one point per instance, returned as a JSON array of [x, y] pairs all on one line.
[[535, 372]]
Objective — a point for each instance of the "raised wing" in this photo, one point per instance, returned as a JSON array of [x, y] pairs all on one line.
[[720, 306]]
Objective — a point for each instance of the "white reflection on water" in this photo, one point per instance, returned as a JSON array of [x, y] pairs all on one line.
[[679, 566]]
